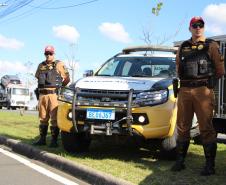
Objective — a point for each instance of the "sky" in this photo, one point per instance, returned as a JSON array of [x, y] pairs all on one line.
[[85, 33]]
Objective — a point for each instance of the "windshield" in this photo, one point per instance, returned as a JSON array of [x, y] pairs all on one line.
[[19, 91], [139, 67]]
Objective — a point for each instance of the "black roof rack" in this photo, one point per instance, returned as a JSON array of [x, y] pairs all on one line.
[[150, 48]]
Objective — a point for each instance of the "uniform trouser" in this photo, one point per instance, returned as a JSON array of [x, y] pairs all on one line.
[[199, 100], [47, 107]]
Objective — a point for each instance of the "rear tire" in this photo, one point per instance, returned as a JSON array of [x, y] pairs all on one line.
[[194, 132], [168, 146], [195, 135], [75, 142], [170, 143]]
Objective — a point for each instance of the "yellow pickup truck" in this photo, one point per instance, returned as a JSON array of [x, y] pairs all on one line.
[[130, 96]]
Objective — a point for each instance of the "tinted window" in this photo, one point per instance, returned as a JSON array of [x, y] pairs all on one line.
[[139, 67]]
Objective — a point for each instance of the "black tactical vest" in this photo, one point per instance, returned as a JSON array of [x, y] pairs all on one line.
[[48, 76], [195, 62]]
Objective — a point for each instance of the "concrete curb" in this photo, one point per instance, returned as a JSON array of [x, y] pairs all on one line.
[[77, 170]]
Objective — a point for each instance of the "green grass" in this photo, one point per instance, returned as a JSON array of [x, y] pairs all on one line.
[[139, 166]]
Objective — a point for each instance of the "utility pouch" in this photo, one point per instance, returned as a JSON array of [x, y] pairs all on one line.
[[191, 69], [36, 93], [175, 87], [203, 67]]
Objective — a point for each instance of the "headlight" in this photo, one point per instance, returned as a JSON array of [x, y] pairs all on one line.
[[151, 97], [66, 94]]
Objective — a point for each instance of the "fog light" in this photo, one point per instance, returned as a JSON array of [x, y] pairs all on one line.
[[70, 115], [141, 119]]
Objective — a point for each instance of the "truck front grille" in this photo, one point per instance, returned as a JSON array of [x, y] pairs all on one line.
[[103, 95], [20, 103]]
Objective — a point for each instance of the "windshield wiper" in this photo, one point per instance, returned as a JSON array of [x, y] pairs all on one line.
[[139, 75], [102, 75]]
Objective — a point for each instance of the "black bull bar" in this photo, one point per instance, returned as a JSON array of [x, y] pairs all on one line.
[[128, 118]]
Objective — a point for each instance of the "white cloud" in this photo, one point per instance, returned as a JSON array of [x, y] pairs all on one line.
[[10, 43], [115, 31], [215, 16], [67, 33], [12, 67]]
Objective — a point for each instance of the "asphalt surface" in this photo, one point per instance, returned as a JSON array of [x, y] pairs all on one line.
[[16, 169], [82, 172], [21, 174]]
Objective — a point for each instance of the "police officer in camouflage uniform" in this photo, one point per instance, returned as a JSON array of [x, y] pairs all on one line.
[[51, 75], [199, 64]]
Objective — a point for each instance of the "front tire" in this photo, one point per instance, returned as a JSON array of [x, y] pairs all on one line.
[[75, 142]]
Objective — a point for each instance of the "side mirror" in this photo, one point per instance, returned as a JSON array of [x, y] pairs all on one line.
[[88, 73]]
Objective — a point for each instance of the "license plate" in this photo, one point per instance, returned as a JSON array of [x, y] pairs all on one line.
[[107, 114]]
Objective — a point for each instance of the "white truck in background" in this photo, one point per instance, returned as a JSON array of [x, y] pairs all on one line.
[[13, 94]]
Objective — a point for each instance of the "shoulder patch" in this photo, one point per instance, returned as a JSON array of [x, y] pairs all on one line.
[[43, 67]]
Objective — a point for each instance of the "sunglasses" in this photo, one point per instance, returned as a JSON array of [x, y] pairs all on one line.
[[46, 54], [198, 24]]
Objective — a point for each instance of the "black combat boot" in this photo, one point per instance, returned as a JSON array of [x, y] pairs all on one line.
[[182, 148], [43, 132], [210, 154], [54, 133]]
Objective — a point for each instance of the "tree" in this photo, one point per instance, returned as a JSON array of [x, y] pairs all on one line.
[[156, 10], [72, 62], [149, 37]]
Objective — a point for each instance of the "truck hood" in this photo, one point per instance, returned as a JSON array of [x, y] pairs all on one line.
[[117, 83]]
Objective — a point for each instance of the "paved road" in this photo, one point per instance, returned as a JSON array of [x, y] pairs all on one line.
[[20, 111], [19, 170]]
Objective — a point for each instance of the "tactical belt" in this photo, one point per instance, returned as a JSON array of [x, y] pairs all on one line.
[[193, 83], [45, 91]]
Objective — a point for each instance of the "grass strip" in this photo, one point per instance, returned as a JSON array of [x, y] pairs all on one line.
[[137, 165]]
